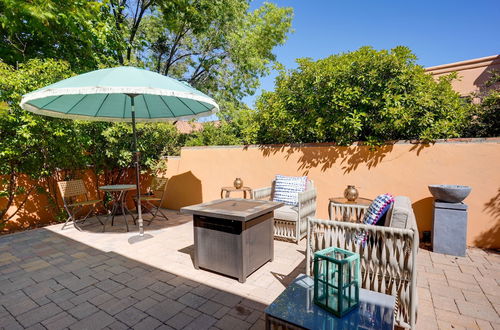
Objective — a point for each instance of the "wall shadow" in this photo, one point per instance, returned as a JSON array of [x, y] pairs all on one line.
[[186, 188], [482, 80], [423, 210], [491, 238], [324, 156], [36, 210]]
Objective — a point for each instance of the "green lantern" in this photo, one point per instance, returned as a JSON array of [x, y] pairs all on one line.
[[336, 280]]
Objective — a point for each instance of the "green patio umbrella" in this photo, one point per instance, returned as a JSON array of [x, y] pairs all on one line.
[[126, 94]]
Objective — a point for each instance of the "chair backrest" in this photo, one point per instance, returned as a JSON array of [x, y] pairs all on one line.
[[387, 260], [309, 186], [72, 188], [158, 186]]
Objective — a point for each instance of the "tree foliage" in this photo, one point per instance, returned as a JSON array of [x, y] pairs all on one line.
[[81, 32], [41, 147], [365, 95], [485, 117], [220, 47]]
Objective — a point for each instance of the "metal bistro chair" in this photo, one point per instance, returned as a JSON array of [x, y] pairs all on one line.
[[70, 190], [156, 194]]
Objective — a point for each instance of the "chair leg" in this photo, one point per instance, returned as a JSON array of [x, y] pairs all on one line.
[[155, 214], [67, 220], [163, 214], [72, 213]]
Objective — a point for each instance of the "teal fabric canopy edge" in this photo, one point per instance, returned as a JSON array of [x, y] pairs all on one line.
[[101, 82]]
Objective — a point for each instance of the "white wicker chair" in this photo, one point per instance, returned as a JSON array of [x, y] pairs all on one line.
[[290, 223], [388, 259]]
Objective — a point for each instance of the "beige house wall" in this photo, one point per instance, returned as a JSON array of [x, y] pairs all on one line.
[[400, 169], [472, 73]]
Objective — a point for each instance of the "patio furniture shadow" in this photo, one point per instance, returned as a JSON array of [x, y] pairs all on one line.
[[188, 250], [92, 224], [50, 280], [286, 279]]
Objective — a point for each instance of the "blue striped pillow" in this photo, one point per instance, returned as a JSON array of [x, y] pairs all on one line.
[[286, 189], [374, 213]]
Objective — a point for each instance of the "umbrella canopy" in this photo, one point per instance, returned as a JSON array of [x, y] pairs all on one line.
[[121, 94], [102, 95]]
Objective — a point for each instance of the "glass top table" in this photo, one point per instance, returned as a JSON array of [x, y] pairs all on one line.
[[295, 309]]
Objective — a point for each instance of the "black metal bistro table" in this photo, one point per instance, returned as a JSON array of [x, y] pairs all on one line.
[[119, 192], [233, 236]]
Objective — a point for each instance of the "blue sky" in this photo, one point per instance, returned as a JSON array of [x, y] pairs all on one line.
[[438, 32]]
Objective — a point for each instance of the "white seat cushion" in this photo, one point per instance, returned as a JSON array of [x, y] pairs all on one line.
[[287, 212]]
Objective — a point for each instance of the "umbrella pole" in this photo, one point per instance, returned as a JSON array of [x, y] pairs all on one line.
[[137, 170]]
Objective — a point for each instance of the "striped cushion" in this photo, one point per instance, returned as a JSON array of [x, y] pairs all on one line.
[[286, 189], [374, 213]]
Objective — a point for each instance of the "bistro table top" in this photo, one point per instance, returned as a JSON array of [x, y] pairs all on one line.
[[118, 187], [358, 201], [295, 305], [232, 208]]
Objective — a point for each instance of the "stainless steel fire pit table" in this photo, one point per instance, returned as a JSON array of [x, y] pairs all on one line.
[[233, 236]]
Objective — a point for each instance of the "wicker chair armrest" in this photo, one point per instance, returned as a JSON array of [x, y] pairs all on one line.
[[307, 196], [262, 193], [307, 204]]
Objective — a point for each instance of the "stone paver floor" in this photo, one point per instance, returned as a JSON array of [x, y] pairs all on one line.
[[90, 280]]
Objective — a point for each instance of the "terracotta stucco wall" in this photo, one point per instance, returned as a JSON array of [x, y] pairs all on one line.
[[472, 74], [400, 169], [38, 211]]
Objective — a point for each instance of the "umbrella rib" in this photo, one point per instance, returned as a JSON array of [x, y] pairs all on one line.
[[99, 109], [203, 104], [146, 103], [125, 106], [80, 100], [43, 106], [194, 113], [168, 107]]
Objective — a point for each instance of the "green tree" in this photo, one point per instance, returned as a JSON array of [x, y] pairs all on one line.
[[365, 95], [485, 117], [30, 144], [220, 47], [154, 141], [220, 133], [49, 149], [81, 32]]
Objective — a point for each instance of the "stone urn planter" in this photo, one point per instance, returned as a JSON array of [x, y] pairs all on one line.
[[449, 193], [449, 225]]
